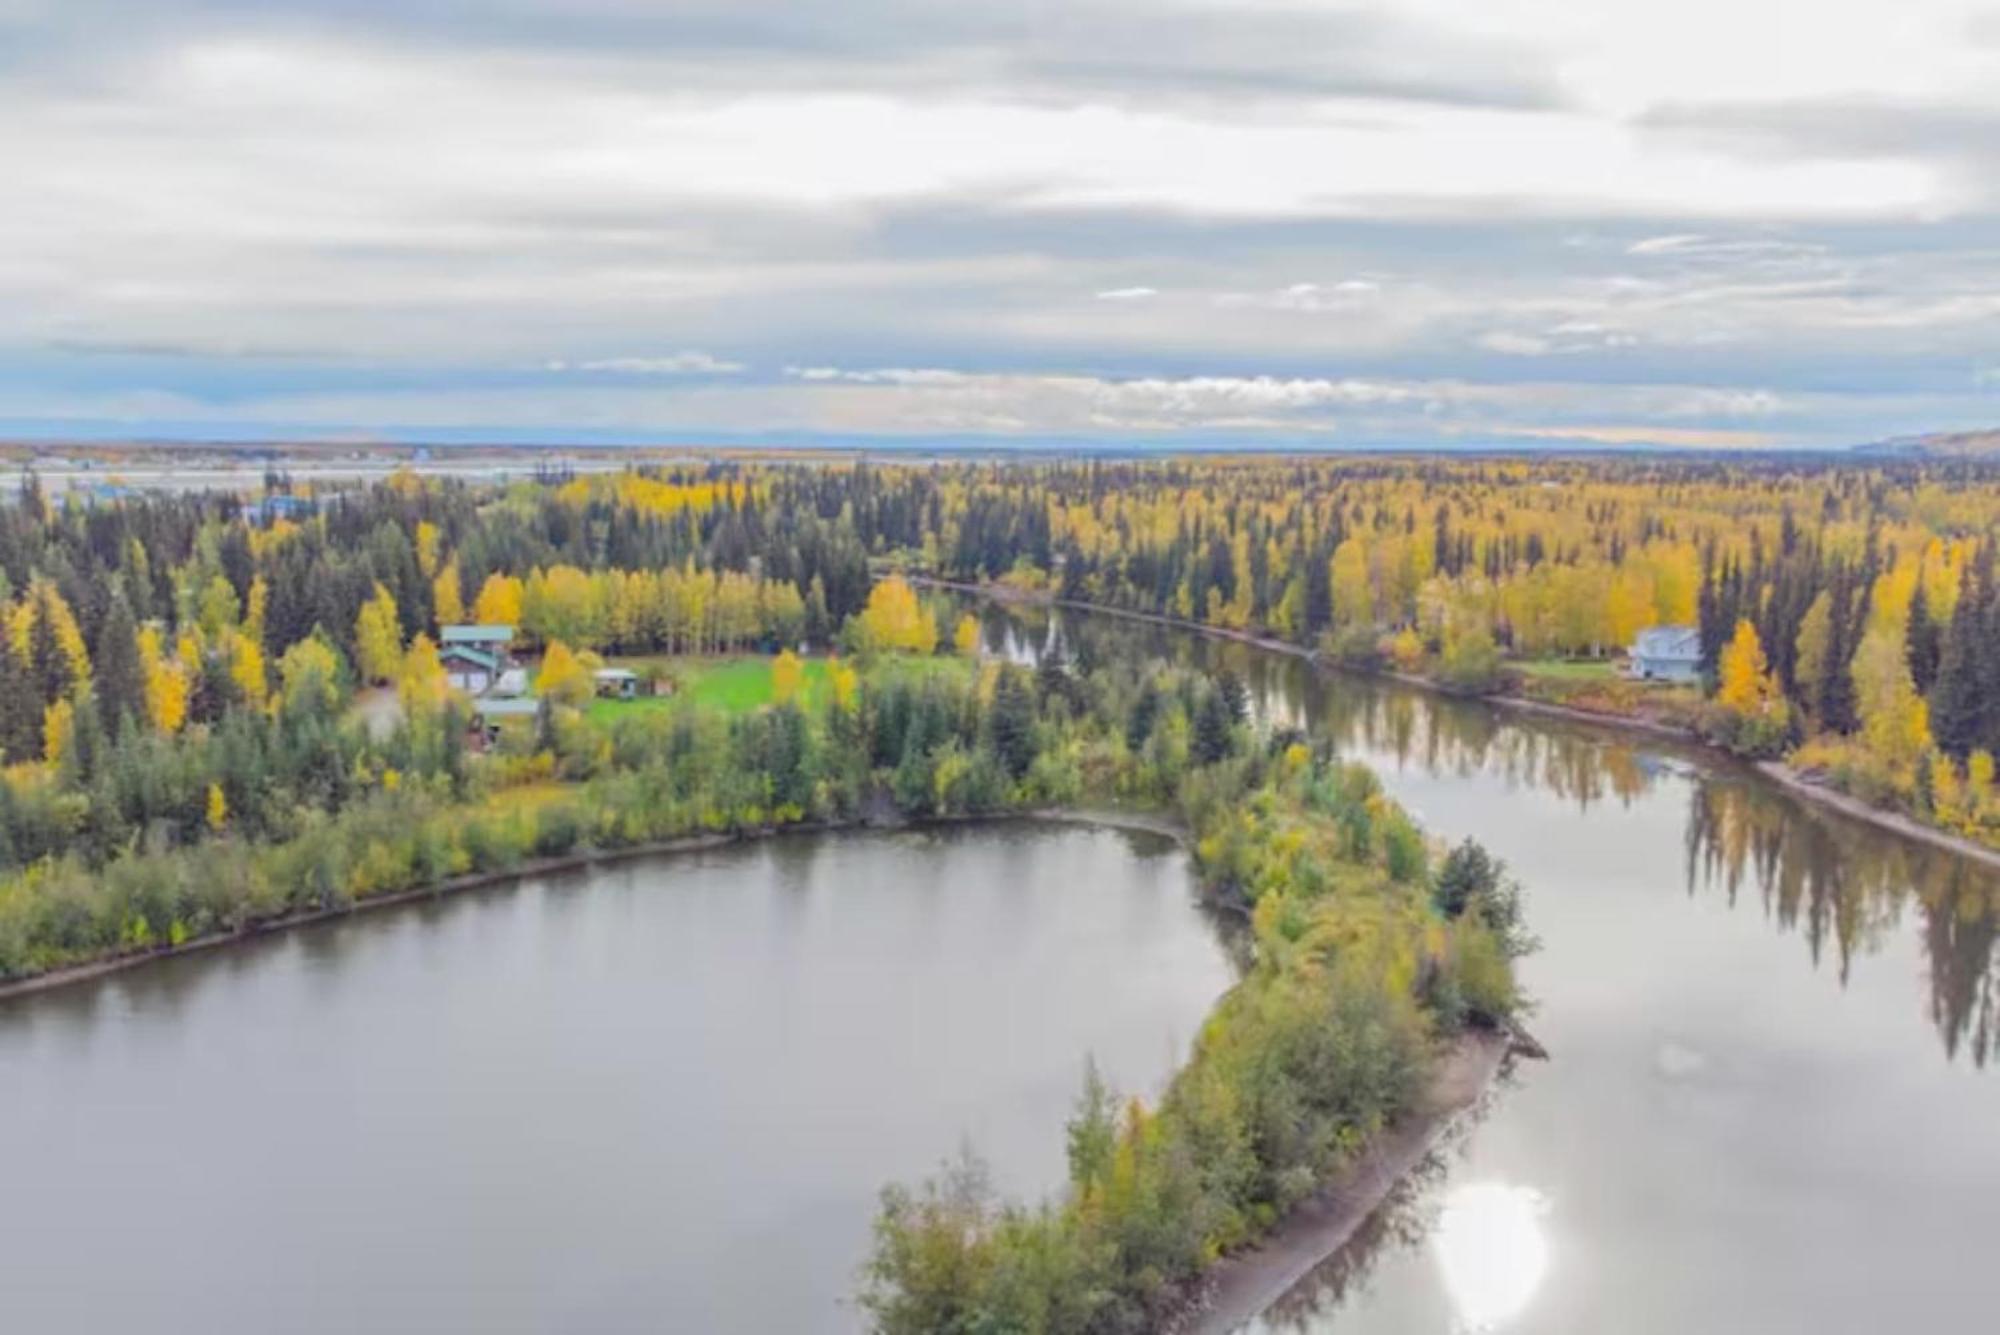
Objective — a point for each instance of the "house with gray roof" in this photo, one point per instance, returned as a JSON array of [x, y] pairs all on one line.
[[1666, 653], [476, 658]]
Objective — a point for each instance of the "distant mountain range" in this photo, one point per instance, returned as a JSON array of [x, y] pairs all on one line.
[[1938, 445]]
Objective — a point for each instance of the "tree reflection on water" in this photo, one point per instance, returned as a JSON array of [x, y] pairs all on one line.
[[1843, 886]]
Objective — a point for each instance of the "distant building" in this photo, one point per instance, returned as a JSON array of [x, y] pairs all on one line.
[[1666, 653], [281, 505], [617, 683], [477, 659]]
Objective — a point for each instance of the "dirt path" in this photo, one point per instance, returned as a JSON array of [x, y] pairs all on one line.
[[1241, 1287]]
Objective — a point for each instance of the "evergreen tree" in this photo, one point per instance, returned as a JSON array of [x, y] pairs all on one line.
[[1836, 703], [1957, 712], [1922, 641], [1469, 873], [1052, 676], [1710, 618], [1012, 722], [120, 687], [49, 665], [20, 706], [1145, 713], [1211, 727], [1235, 696]]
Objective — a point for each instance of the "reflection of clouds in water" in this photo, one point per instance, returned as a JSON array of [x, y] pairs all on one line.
[[1490, 1247]]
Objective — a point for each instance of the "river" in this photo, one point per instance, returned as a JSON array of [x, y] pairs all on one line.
[[1771, 1106], [663, 1096], [660, 1096]]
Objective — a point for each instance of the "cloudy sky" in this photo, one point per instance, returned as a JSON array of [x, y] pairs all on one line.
[[1428, 222]]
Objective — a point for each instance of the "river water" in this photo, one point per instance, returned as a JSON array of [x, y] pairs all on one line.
[[1772, 1104], [660, 1096]]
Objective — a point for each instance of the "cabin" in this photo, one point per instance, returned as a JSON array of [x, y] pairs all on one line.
[[617, 684], [477, 659], [1666, 653]]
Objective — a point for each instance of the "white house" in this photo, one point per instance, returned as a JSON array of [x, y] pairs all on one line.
[[1666, 653]]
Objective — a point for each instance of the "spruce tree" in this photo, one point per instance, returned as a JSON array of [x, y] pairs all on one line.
[[1235, 696], [49, 665], [120, 680], [1836, 703], [20, 706], [1922, 641], [1052, 676], [1211, 727], [1956, 721], [1012, 722], [1986, 625]]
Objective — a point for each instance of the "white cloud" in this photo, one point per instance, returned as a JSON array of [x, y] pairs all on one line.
[[1665, 245], [1510, 344], [885, 375], [691, 362], [411, 190], [1725, 403]]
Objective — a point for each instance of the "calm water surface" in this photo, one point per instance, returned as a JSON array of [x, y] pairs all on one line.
[[1772, 1106], [657, 1097], [662, 1097]]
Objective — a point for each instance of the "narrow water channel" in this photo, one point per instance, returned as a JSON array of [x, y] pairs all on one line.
[[1773, 1104], [661, 1096]]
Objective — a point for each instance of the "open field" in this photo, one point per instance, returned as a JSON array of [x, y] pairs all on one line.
[[1570, 669], [736, 684]]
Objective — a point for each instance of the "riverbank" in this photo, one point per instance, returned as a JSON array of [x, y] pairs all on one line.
[[1094, 817], [80, 973], [1242, 1286], [1793, 781]]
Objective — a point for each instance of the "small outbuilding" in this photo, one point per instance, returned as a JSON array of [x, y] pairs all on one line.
[[1666, 653], [617, 683]]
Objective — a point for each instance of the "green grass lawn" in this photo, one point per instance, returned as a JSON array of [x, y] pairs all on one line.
[[1570, 669], [734, 685], [739, 683]]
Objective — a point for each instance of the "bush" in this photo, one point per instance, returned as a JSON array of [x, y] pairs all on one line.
[[558, 829], [1356, 647]]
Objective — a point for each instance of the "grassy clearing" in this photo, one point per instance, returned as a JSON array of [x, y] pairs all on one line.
[[741, 683], [1600, 686], [1570, 669], [732, 685]]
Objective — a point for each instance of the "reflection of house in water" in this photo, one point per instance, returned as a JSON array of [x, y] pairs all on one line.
[[1654, 767]]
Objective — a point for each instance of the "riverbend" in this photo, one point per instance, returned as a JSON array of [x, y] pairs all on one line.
[[1775, 1031]]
